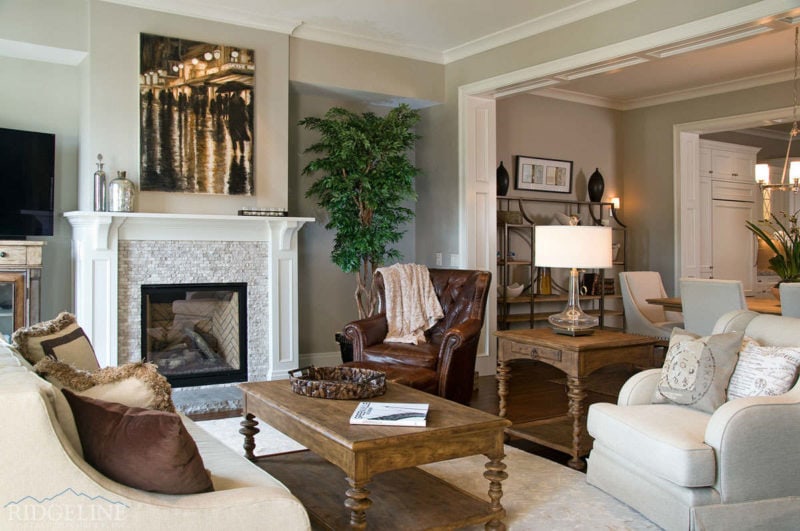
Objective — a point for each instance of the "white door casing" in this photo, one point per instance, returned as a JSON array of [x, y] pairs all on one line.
[[477, 151]]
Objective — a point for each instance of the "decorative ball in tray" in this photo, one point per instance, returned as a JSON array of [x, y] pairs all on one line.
[[340, 383]]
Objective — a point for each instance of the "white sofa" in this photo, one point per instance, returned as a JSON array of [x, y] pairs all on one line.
[[738, 468], [46, 484]]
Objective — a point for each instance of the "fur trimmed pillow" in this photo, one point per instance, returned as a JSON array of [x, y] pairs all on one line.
[[60, 339], [134, 384], [141, 448]]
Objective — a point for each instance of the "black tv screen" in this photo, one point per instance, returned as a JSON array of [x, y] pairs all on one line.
[[27, 169]]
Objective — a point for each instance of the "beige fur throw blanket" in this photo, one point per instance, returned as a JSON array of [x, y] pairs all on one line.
[[411, 303]]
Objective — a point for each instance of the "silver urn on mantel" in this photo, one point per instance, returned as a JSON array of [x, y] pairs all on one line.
[[121, 194]]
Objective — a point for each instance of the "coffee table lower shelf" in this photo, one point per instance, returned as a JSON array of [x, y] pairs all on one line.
[[402, 499], [555, 433]]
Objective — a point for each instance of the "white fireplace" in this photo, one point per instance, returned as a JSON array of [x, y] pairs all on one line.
[[114, 253]]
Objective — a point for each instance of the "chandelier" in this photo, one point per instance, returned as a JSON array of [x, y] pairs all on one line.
[[762, 170]]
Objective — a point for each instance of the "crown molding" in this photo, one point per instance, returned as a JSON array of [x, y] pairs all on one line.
[[349, 40], [38, 52], [636, 45], [709, 90], [529, 28], [217, 12], [764, 133], [579, 97]]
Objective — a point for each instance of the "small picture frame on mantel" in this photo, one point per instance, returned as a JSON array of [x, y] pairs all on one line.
[[543, 175]]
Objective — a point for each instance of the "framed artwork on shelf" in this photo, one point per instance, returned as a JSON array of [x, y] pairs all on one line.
[[543, 175]]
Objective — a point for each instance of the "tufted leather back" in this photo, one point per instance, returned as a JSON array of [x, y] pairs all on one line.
[[461, 292]]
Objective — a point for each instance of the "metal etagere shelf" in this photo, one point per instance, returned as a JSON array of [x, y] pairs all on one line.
[[516, 219]]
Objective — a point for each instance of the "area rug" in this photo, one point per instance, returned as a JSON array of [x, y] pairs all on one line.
[[538, 494]]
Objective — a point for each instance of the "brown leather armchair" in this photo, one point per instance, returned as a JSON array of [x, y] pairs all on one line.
[[445, 364]]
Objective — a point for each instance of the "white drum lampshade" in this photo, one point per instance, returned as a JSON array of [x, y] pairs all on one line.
[[573, 247]]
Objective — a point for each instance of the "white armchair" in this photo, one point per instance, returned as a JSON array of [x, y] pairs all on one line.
[[737, 468], [641, 317]]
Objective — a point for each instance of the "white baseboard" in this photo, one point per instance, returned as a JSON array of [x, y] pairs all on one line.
[[321, 359]]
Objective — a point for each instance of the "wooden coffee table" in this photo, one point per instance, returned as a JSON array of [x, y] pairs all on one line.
[[362, 452], [578, 357]]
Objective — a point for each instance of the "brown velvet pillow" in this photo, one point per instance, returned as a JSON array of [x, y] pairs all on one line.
[[142, 448]]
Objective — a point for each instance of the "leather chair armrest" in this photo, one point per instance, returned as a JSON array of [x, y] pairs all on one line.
[[639, 388], [457, 360], [755, 441], [366, 332]]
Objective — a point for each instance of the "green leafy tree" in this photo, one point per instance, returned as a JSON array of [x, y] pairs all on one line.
[[363, 178]]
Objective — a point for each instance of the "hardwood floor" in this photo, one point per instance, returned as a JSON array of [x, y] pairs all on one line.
[[538, 391]]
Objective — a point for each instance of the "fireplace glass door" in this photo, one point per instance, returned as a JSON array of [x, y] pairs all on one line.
[[196, 333]]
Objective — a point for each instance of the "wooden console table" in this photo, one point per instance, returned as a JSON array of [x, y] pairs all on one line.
[[409, 497], [20, 284], [578, 357]]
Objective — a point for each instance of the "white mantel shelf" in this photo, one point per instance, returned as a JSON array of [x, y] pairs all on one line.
[[158, 226], [96, 237]]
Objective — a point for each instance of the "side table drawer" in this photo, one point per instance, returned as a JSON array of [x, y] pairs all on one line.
[[536, 352], [12, 255]]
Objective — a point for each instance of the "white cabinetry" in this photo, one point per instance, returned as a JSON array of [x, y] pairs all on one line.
[[732, 162], [718, 195], [733, 247]]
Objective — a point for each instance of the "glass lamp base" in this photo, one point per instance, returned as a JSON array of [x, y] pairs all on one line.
[[572, 319]]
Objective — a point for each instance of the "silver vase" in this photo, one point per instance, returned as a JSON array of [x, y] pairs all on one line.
[[121, 193]]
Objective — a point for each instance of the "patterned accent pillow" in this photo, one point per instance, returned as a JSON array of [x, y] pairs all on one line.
[[764, 371], [697, 369], [59, 339], [135, 384]]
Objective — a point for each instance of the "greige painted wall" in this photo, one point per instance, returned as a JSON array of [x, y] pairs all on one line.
[[113, 104], [326, 293], [588, 136], [38, 96], [647, 155], [330, 66], [109, 112], [438, 207]]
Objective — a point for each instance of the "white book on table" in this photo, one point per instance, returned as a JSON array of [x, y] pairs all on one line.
[[390, 414]]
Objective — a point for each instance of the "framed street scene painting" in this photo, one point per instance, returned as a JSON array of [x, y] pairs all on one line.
[[543, 175], [196, 104]]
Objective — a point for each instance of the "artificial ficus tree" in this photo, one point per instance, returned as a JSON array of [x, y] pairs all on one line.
[[363, 178]]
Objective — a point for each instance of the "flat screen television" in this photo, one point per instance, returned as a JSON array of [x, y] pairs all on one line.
[[27, 171]]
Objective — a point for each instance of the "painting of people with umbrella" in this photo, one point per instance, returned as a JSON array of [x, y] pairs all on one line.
[[196, 117]]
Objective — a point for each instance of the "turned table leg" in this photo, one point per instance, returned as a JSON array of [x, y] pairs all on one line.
[[495, 473], [358, 502], [576, 391], [249, 431], [503, 376]]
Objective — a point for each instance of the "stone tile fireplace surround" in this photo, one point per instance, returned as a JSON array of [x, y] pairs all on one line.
[[114, 253]]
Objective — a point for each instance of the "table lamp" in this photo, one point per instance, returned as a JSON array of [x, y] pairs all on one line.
[[573, 247]]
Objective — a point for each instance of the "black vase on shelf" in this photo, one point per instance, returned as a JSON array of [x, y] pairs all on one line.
[[502, 180], [596, 186]]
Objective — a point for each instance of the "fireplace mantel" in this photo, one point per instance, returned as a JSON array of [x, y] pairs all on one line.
[[96, 237]]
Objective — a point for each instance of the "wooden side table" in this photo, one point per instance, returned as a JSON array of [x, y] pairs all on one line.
[[578, 357]]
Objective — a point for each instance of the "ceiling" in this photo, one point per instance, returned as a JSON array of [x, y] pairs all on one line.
[[443, 31]]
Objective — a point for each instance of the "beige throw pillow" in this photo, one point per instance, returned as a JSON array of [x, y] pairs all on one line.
[[133, 384], [764, 371], [697, 369], [59, 339]]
